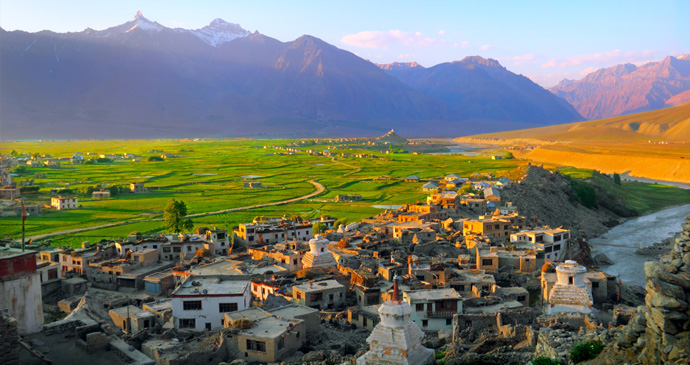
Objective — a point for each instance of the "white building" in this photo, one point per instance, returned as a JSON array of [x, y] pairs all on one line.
[[396, 339], [318, 255], [201, 301], [61, 203], [433, 309], [552, 242], [20, 289], [571, 293]]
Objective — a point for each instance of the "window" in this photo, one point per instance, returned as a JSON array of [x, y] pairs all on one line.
[[187, 323], [316, 297], [364, 321], [570, 280], [227, 307], [299, 295], [595, 284], [487, 262], [425, 322], [176, 249], [557, 247], [256, 345], [192, 305], [281, 343], [189, 248], [419, 307], [521, 298], [166, 249], [330, 297], [449, 321], [155, 246], [53, 274]]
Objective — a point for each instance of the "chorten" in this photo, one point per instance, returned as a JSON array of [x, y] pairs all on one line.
[[570, 293], [318, 256], [396, 339]]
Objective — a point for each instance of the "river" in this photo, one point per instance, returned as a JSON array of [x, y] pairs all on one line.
[[620, 242]]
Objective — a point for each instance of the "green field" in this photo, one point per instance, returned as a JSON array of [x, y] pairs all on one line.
[[208, 176]]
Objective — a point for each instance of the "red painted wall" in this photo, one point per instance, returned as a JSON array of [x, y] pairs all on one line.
[[17, 265]]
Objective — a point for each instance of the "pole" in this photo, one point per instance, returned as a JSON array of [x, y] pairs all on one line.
[[23, 220]]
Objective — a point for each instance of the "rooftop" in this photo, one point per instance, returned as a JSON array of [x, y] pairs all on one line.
[[211, 285], [292, 311], [6, 251], [432, 294], [320, 285], [271, 327]]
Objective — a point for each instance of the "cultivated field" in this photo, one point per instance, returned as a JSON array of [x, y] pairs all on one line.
[[209, 175]]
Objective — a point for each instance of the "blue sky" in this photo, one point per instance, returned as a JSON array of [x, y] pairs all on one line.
[[544, 40]]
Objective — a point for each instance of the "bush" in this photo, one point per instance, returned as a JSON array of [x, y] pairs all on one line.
[[104, 160], [154, 158], [585, 193], [29, 189], [617, 179], [19, 170], [585, 350], [543, 360]]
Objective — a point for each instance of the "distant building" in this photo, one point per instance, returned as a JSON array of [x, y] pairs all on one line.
[[549, 243], [347, 198], [431, 186], [253, 185], [103, 194], [433, 309], [412, 178], [137, 187], [61, 203]]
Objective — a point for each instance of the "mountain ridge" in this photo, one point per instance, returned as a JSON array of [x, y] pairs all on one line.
[[626, 88]]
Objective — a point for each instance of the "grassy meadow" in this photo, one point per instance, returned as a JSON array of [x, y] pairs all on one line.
[[208, 176]]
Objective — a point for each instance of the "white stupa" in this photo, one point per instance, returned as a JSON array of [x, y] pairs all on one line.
[[570, 293], [318, 256], [396, 339]]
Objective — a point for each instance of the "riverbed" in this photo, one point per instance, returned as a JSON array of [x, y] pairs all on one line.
[[620, 242]]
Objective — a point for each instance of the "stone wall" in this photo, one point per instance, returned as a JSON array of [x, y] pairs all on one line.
[[9, 341], [492, 321], [660, 330]]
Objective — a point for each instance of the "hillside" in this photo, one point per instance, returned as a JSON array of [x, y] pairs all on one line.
[[481, 89], [142, 79], [627, 89], [620, 144], [671, 125]]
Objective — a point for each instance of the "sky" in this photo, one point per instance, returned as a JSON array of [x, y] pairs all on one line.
[[546, 41]]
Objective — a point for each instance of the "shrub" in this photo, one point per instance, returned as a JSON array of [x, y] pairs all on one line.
[[29, 189], [584, 193], [543, 360], [617, 179], [19, 170], [154, 158], [585, 350], [440, 355]]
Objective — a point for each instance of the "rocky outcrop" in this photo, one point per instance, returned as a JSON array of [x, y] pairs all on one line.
[[660, 330]]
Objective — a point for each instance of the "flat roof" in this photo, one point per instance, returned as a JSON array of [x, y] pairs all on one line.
[[253, 313], [291, 311], [211, 285], [271, 327], [432, 294], [9, 251], [320, 285], [510, 304]]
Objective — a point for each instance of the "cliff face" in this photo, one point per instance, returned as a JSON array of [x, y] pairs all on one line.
[[660, 330]]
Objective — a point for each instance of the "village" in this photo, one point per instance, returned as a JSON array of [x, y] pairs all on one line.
[[452, 275]]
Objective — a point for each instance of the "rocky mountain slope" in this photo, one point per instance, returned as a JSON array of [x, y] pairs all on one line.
[[142, 79], [627, 89], [481, 89]]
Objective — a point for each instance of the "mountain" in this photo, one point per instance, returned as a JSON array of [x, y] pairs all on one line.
[[669, 125], [481, 89], [141, 79], [626, 89]]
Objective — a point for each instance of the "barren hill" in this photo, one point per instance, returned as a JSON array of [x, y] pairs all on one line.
[[626, 89]]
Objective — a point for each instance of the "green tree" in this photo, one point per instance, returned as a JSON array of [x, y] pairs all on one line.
[[617, 179], [319, 227], [173, 216], [155, 158]]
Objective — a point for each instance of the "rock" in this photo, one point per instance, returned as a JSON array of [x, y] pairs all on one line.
[[602, 260], [667, 289]]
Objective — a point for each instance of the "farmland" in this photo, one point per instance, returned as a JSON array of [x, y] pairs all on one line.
[[209, 175]]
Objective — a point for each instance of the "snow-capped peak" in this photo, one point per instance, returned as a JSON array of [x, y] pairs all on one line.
[[219, 32], [142, 23]]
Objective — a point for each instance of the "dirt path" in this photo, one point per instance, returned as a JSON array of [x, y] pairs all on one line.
[[319, 189], [355, 168]]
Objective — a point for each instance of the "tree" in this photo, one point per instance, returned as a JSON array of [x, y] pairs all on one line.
[[617, 179], [155, 158], [173, 216]]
